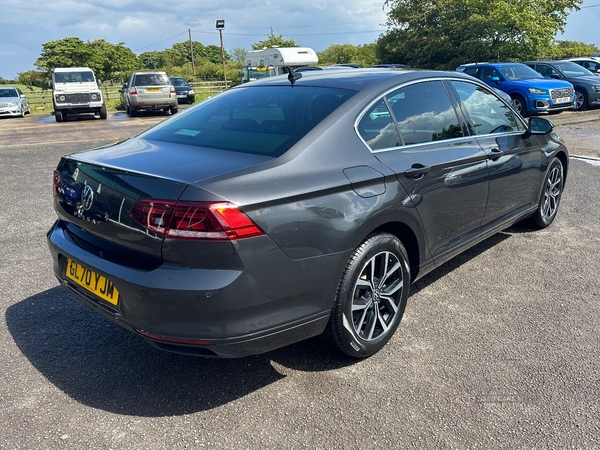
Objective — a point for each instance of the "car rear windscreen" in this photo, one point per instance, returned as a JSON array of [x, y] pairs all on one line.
[[262, 120]]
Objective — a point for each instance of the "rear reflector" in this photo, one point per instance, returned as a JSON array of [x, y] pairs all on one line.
[[174, 340], [194, 220]]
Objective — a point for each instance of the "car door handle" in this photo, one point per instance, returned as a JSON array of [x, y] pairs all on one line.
[[417, 170], [495, 153]]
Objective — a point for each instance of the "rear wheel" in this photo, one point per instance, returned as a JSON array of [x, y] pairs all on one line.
[[551, 194], [174, 109], [58, 116], [103, 114], [581, 100], [519, 104], [371, 297]]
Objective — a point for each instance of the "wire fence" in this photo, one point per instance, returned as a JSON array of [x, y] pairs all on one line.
[[43, 98]]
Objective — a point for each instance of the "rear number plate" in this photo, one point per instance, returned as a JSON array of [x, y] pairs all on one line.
[[152, 89], [563, 100], [92, 282]]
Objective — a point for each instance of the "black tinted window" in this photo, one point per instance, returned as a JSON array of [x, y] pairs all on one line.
[[260, 120], [150, 79], [487, 113], [424, 113]]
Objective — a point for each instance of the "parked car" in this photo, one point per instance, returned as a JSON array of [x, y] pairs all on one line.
[[591, 64], [185, 92], [13, 102], [530, 92], [389, 66], [587, 86], [147, 91], [286, 208]]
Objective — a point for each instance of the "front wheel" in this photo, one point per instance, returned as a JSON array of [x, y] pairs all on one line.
[[58, 116], [520, 105], [371, 297], [551, 194], [103, 113], [581, 100]]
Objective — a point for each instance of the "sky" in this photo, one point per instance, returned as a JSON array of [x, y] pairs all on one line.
[[25, 25]]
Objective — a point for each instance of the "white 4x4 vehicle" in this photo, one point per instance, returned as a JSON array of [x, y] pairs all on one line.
[[75, 91]]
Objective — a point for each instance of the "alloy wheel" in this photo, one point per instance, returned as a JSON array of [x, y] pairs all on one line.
[[552, 192], [377, 296]]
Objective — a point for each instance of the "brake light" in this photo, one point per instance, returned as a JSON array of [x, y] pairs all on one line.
[[133, 91], [173, 90], [194, 220], [56, 181]]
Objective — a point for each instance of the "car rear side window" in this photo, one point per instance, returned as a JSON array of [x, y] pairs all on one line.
[[378, 129], [263, 120], [487, 113], [424, 113]]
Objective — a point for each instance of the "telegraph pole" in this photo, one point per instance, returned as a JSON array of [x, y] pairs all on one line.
[[192, 54], [220, 26]]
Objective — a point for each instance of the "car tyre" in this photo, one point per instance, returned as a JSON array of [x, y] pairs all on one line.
[[103, 113], [551, 194], [58, 116], [132, 111], [174, 109], [371, 297], [581, 100], [519, 104]]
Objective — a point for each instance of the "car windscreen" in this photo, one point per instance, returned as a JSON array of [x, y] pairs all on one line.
[[178, 82], [8, 93], [262, 120], [515, 72], [570, 69], [74, 77]]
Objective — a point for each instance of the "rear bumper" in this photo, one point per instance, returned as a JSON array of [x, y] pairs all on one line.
[[273, 302]]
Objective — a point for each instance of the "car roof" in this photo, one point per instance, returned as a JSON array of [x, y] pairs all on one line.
[[354, 79]]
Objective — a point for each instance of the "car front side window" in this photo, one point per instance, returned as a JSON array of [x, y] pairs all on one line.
[[487, 113]]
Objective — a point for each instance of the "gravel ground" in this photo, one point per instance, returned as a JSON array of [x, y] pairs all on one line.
[[499, 348]]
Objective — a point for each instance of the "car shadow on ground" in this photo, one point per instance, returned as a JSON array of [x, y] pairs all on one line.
[[101, 365]]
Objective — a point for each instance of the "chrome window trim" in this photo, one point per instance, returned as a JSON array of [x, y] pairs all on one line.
[[453, 140]]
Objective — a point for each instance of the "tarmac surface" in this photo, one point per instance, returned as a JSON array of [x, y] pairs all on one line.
[[499, 348]]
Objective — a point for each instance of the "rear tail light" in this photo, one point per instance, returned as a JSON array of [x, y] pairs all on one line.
[[56, 181], [133, 91], [173, 90], [194, 220]]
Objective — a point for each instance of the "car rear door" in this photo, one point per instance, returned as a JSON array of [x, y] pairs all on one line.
[[443, 171]]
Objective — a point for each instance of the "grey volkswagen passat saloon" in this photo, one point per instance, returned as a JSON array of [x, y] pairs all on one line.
[[296, 206]]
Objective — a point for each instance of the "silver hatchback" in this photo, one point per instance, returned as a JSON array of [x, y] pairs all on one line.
[[148, 91]]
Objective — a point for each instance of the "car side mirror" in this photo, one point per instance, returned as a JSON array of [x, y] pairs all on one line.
[[495, 79], [49, 84], [539, 125]]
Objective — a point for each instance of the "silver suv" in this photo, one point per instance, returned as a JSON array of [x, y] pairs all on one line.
[[149, 91]]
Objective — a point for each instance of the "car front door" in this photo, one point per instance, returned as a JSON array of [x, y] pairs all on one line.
[[443, 171], [515, 161]]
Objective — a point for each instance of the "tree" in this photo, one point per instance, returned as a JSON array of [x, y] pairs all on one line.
[[151, 60], [238, 55], [33, 78], [274, 41], [338, 54], [442, 34], [570, 49], [69, 52], [118, 60]]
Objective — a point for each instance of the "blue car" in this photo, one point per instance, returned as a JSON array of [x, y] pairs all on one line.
[[531, 93]]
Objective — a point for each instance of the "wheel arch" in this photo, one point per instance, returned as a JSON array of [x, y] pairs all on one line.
[[413, 243], [565, 163]]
